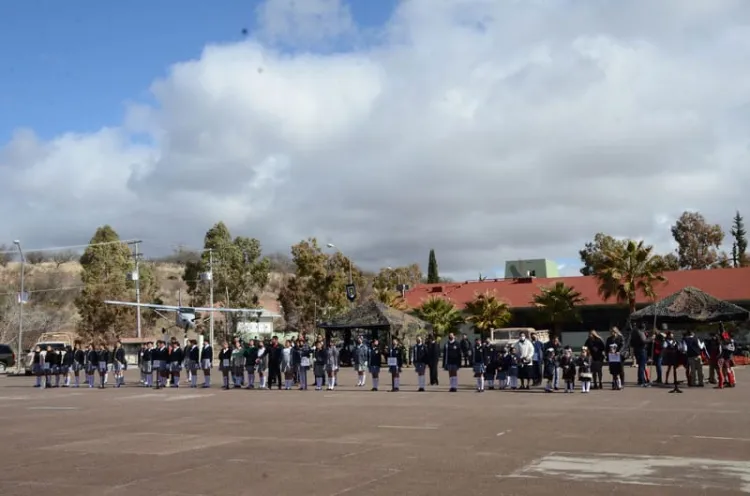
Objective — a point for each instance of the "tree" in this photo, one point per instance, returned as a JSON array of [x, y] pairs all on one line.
[[62, 257], [149, 286], [35, 257], [433, 276], [6, 255], [486, 312], [670, 262], [624, 271], [739, 246], [593, 253], [239, 271], [182, 256], [558, 305], [104, 276], [390, 278], [392, 299], [318, 287], [697, 241], [441, 313]]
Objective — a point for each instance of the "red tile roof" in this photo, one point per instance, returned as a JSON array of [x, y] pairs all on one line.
[[726, 284]]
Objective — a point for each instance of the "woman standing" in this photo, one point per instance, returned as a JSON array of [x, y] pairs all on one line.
[[319, 368], [262, 365], [332, 365], [103, 357], [238, 364], [395, 364], [419, 356], [118, 364], [285, 365], [225, 364], [79, 363], [305, 361], [615, 338], [597, 351]]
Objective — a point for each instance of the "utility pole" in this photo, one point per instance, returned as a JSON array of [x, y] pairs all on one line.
[[21, 303], [211, 295], [137, 279]]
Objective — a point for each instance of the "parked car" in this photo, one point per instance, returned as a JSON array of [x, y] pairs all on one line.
[[7, 358]]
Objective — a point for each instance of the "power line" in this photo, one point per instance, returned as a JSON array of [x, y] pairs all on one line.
[[72, 247], [70, 288]]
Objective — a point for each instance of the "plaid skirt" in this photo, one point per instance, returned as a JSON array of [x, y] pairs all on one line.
[[191, 365], [205, 364], [117, 367], [374, 369], [479, 369], [147, 367], [361, 367], [175, 366], [103, 367], [419, 368], [77, 367]]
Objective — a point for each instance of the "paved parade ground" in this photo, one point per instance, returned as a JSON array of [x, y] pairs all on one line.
[[138, 442]]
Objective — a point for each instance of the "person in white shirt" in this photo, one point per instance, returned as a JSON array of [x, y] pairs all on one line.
[[525, 353]]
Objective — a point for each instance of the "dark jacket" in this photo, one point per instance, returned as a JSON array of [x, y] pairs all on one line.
[[452, 354], [596, 348], [376, 359], [420, 353]]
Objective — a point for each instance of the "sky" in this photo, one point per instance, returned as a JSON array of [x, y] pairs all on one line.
[[487, 130]]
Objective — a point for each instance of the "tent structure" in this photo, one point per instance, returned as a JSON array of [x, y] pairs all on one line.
[[375, 316], [691, 305]]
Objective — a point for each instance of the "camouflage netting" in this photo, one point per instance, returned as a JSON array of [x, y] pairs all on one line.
[[376, 315], [691, 305]]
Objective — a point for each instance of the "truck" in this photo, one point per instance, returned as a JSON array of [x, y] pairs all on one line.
[[507, 336]]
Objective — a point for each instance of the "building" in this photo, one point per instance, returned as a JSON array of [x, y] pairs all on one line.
[[539, 267], [727, 284]]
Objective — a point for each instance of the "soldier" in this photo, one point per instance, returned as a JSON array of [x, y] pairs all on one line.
[[419, 356], [395, 364], [375, 361], [452, 361], [207, 359]]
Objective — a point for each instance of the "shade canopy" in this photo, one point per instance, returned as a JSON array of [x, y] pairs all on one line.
[[375, 315], [691, 305]]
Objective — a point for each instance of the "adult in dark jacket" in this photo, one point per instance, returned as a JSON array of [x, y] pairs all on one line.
[[433, 359], [693, 350], [536, 360], [597, 350], [641, 342], [274, 362], [419, 355]]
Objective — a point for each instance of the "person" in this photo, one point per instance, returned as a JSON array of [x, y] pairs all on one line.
[[162, 353], [146, 366], [79, 363], [615, 337], [319, 366], [54, 359], [118, 364], [490, 365], [614, 359], [513, 367], [525, 354], [274, 362], [726, 362], [37, 367], [395, 364], [479, 365], [419, 358], [584, 370], [251, 362], [66, 365], [465, 351], [261, 364], [361, 353], [433, 358], [225, 364], [193, 362], [536, 360], [207, 360], [332, 365], [103, 357], [503, 368], [175, 363], [285, 365], [305, 361], [658, 344], [375, 361], [452, 361], [713, 350], [568, 368], [550, 365], [640, 342], [596, 349], [92, 364], [693, 351]]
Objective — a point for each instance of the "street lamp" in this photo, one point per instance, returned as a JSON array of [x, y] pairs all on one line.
[[21, 301], [331, 245], [401, 288]]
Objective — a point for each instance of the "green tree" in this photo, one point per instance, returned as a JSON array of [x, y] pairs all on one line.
[[240, 272], [389, 278], [391, 298], [698, 241], [594, 252], [104, 276], [150, 288], [558, 305], [670, 262], [739, 246], [624, 271], [433, 276], [442, 314], [486, 312]]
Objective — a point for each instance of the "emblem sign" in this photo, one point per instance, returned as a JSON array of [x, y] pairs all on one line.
[[351, 292]]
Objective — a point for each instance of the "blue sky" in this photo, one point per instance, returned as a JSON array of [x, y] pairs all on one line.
[[72, 65]]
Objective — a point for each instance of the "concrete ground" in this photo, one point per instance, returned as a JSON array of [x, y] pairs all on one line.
[[134, 441]]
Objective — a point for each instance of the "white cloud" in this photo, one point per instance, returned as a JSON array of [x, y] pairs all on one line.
[[486, 130]]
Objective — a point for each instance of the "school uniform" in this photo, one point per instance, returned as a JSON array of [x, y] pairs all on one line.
[[251, 356], [147, 366], [513, 368], [193, 364], [37, 368], [225, 365], [119, 365], [274, 364], [481, 357], [361, 357], [332, 366], [726, 364], [66, 365], [504, 362], [321, 358], [585, 374], [176, 358], [395, 356], [261, 364], [420, 358], [286, 366], [79, 364], [103, 357], [490, 365], [161, 365], [92, 365], [614, 358], [304, 360], [567, 364], [207, 357], [375, 361], [54, 359], [452, 362], [549, 372]]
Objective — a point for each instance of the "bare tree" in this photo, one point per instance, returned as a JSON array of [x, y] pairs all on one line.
[[35, 257], [6, 255], [63, 257]]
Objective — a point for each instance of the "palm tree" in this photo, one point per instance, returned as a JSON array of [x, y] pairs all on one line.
[[628, 269], [392, 299], [441, 313], [558, 305], [487, 312]]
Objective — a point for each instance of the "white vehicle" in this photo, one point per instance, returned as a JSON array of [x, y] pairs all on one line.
[[507, 336], [57, 341]]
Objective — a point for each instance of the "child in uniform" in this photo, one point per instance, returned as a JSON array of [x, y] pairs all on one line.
[[375, 361], [79, 363], [419, 357], [103, 357], [193, 361], [286, 365], [615, 366], [119, 364], [513, 369], [54, 359], [550, 365], [395, 364], [305, 361], [568, 366], [503, 367], [207, 359], [332, 365], [176, 358], [491, 365], [261, 363], [225, 364], [37, 367], [321, 359], [147, 367], [92, 364], [585, 374], [66, 363], [251, 357], [479, 365]]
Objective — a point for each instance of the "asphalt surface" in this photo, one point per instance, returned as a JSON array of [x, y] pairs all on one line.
[[189, 442]]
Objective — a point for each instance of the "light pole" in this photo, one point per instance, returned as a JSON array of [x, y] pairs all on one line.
[[331, 245], [21, 302], [401, 288], [209, 276]]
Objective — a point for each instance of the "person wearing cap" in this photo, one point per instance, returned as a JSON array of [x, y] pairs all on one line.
[[452, 361], [375, 361]]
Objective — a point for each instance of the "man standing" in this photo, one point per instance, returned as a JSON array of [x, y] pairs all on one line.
[[693, 349], [433, 358], [274, 362], [466, 351], [452, 361], [524, 353], [640, 343], [536, 360]]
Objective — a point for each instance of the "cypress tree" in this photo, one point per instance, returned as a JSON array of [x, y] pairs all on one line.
[[739, 247], [432, 269]]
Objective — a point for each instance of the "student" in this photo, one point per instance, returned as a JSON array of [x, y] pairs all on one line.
[[285, 365], [305, 361], [375, 361], [47, 365], [419, 357], [251, 357], [490, 353], [79, 363], [207, 359], [361, 354], [452, 361], [568, 367], [225, 364], [54, 359], [395, 364], [321, 359], [332, 365], [119, 364], [159, 358], [175, 363], [550, 365], [273, 350], [503, 368], [615, 366], [515, 363], [147, 356], [480, 367], [37, 367], [193, 360], [726, 362], [103, 356], [584, 370], [66, 363], [261, 364], [92, 364]]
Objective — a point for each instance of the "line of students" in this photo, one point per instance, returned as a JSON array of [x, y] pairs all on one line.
[[49, 364]]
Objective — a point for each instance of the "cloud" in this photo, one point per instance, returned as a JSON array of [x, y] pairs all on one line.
[[489, 131]]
